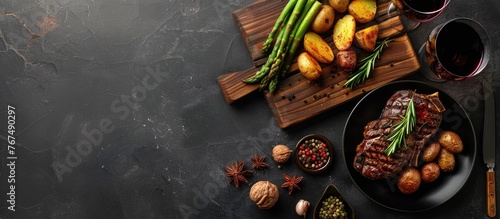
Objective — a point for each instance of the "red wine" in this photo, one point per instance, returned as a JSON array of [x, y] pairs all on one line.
[[459, 48], [425, 5], [420, 10]]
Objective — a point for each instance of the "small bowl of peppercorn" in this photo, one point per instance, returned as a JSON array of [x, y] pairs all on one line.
[[313, 153], [333, 205]]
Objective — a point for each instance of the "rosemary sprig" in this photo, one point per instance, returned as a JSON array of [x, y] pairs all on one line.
[[366, 65], [401, 130]]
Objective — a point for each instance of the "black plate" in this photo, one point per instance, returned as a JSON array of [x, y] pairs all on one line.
[[429, 195]]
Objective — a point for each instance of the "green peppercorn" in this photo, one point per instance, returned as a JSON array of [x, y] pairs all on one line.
[[332, 207]]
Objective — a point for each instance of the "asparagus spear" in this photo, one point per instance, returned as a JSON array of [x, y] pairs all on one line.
[[264, 70], [278, 60], [281, 41], [279, 66], [289, 38], [299, 35], [282, 18]]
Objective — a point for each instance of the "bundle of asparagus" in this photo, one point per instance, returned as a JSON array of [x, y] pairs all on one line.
[[290, 27]]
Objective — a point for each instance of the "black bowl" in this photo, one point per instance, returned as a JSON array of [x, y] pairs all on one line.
[[329, 191], [329, 146]]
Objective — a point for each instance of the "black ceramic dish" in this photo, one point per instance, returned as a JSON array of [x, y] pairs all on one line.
[[329, 159], [329, 191], [429, 195]]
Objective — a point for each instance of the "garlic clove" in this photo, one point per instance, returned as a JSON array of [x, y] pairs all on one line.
[[301, 207]]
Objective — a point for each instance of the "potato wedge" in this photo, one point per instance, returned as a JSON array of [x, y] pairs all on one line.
[[324, 19], [339, 5], [318, 48], [366, 39], [308, 66], [343, 32], [363, 10]]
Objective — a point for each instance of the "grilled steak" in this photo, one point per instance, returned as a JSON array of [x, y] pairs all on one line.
[[371, 160]]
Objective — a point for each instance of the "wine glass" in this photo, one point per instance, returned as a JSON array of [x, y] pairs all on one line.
[[416, 11], [455, 50]]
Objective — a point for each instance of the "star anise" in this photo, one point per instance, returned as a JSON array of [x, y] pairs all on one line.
[[258, 162], [237, 174], [291, 182]]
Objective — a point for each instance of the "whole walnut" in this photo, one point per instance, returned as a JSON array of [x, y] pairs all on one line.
[[281, 153], [265, 194]]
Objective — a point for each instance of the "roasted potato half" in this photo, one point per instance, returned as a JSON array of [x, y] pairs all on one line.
[[339, 5], [317, 47], [363, 10], [366, 38], [308, 66], [343, 32], [324, 19]]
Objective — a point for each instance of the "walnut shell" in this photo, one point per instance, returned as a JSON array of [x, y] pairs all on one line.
[[281, 153], [265, 194]]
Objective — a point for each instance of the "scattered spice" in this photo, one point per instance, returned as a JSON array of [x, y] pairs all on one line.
[[237, 174], [258, 162], [291, 182]]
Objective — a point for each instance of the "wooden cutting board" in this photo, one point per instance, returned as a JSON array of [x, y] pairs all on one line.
[[298, 99]]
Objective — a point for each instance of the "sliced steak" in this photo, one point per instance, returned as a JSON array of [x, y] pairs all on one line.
[[371, 160]]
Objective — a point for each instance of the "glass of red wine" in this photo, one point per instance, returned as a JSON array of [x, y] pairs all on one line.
[[455, 50], [416, 11]]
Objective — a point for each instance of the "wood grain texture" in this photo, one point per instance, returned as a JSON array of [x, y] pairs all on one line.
[[298, 99], [491, 194]]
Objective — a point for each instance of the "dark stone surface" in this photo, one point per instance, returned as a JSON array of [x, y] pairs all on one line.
[[119, 115]]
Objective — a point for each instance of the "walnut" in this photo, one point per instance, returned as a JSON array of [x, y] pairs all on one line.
[[281, 153], [265, 194]]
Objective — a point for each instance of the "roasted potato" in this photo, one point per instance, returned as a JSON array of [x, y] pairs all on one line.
[[308, 66], [347, 59], [339, 5], [446, 160], [431, 152], [343, 32], [366, 38], [363, 10], [430, 172], [409, 181], [318, 48], [324, 19], [451, 141]]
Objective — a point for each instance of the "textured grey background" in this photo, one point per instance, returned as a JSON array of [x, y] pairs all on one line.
[[145, 71]]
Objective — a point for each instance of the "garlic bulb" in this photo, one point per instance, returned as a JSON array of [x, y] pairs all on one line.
[[301, 207]]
